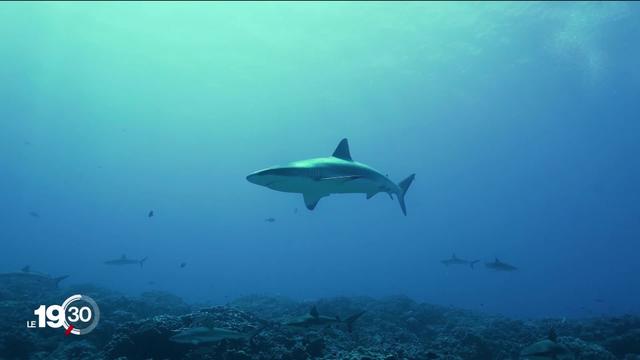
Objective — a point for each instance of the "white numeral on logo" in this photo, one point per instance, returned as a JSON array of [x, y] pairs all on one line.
[[42, 317], [83, 314], [56, 320]]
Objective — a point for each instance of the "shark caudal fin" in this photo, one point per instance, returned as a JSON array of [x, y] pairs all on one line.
[[404, 186], [351, 319], [471, 263], [142, 261]]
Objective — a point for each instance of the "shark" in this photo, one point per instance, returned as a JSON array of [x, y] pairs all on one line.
[[123, 260], [28, 284], [547, 349], [498, 265], [203, 335], [314, 319], [31, 279], [336, 174], [454, 260]]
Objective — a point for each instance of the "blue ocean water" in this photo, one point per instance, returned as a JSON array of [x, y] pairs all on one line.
[[520, 121]]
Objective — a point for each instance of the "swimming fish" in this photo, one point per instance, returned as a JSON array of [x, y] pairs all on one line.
[[337, 174], [123, 260]]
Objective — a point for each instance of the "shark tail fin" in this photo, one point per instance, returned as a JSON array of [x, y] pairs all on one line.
[[142, 261], [471, 263], [60, 278], [404, 186], [351, 319]]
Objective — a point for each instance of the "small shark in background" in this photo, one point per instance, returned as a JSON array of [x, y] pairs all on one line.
[[150, 214], [28, 279], [27, 270], [270, 219], [547, 349], [34, 214], [203, 335], [313, 318], [454, 260], [498, 265], [182, 265], [337, 174], [123, 260]]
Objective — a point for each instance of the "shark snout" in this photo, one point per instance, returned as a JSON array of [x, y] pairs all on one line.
[[267, 177], [254, 177], [251, 178], [260, 177]]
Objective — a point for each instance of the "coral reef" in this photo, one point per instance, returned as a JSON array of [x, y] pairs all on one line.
[[391, 328]]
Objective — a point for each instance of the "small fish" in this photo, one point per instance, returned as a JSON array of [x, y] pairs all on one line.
[[150, 214], [34, 214], [182, 265], [270, 219]]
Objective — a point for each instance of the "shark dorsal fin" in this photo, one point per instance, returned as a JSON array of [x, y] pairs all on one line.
[[342, 151], [314, 312]]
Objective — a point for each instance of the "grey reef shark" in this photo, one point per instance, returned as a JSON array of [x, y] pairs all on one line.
[[204, 335], [29, 279], [498, 265], [314, 319], [123, 260], [336, 174], [454, 260]]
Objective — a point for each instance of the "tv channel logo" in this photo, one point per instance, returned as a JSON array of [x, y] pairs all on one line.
[[78, 315]]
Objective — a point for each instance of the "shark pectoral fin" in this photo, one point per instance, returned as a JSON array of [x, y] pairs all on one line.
[[371, 194], [311, 200]]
